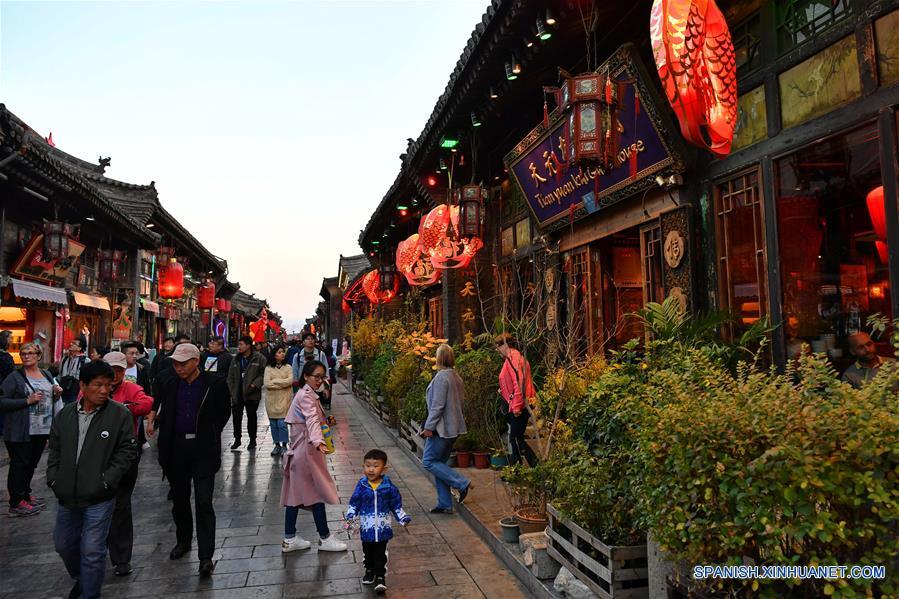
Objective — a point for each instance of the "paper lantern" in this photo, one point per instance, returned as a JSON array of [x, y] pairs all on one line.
[[453, 251], [694, 55], [171, 281], [415, 265], [223, 305], [882, 251], [206, 296], [56, 240], [112, 265], [371, 286], [471, 206], [433, 227], [877, 212], [345, 306], [590, 103]]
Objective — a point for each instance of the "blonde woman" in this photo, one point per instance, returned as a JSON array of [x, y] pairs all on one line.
[[278, 383], [26, 399], [444, 424]]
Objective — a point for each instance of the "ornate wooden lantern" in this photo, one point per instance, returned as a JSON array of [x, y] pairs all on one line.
[[387, 276], [371, 285], [171, 281], [590, 103], [206, 296], [112, 265], [56, 240], [471, 209], [164, 255]]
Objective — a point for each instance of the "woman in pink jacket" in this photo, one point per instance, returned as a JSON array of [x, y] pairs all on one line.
[[307, 483], [516, 386]]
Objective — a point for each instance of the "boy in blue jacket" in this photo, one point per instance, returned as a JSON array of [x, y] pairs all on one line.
[[373, 500]]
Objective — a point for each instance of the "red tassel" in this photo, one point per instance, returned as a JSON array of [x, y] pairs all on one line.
[[596, 189], [633, 162], [636, 104], [634, 169], [608, 89], [545, 112]]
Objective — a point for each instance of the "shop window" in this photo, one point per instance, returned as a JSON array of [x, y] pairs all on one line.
[[816, 86], [739, 225], [620, 287], [832, 245], [747, 41], [800, 20], [653, 283], [435, 316], [887, 47], [752, 119]]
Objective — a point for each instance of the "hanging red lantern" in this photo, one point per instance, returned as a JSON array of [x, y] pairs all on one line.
[[223, 305], [882, 251], [171, 281], [415, 265], [471, 205], [387, 276], [112, 265], [345, 306], [591, 105], [452, 251], [877, 212], [56, 240], [433, 227], [206, 296], [205, 318], [164, 255], [371, 285], [694, 55]]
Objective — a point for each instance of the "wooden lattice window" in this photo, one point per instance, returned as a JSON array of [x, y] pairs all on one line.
[[742, 280], [435, 316], [653, 283], [747, 42], [801, 20], [579, 301]]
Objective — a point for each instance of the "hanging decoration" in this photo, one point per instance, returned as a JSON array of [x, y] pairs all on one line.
[[56, 240], [453, 250], [171, 280], [433, 227], [590, 102], [414, 264], [112, 265], [471, 210], [877, 212], [371, 286], [164, 255], [223, 305], [694, 55], [206, 295], [387, 275], [257, 329], [345, 306]]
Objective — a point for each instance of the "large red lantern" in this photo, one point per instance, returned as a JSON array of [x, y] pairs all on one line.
[[223, 305], [433, 227], [206, 296], [694, 55], [877, 212], [112, 265], [171, 281], [591, 103], [453, 251], [471, 208], [415, 265], [371, 285]]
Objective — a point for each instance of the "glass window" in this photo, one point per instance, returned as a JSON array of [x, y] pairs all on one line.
[[653, 283], [741, 248], [747, 40], [832, 243], [800, 20]]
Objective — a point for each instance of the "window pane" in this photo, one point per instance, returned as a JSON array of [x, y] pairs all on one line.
[[800, 20], [832, 245]]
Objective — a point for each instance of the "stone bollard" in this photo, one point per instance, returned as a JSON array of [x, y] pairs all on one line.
[[658, 568], [533, 549], [567, 585]]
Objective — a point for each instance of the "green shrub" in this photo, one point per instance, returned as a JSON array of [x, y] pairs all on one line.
[[402, 376], [751, 466], [415, 403], [479, 370], [376, 374]]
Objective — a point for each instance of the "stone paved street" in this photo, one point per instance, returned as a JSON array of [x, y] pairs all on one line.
[[439, 557]]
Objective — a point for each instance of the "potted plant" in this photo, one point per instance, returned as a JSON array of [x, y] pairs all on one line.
[[499, 460], [528, 491], [510, 529], [464, 445]]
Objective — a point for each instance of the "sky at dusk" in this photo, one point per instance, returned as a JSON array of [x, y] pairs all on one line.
[[272, 129]]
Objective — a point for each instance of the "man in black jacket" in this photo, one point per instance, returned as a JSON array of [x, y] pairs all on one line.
[[216, 360], [92, 446], [193, 409]]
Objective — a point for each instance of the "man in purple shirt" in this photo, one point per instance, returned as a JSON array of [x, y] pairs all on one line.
[[193, 410]]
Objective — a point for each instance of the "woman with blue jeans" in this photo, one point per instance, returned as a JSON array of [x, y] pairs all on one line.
[[445, 422], [278, 383]]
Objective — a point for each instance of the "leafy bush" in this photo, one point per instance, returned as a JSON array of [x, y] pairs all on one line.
[[379, 371], [479, 370], [752, 466], [400, 379], [415, 403]]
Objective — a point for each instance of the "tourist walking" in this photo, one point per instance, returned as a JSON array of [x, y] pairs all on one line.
[[70, 369], [308, 352], [92, 448], [136, 372], [132, 396], [374, 500], [307, 484], [445, 422], [7, 364], [278, 382], [517, 388], [245, 378], [216, 360], [168, 345], [26, 398], [194, 409]]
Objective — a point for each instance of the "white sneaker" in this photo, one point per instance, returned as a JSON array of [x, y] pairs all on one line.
[[294, 544], [331, 544]]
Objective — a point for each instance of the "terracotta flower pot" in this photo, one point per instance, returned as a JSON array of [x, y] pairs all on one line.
[[463, 458], [530, 520], [481, 460]]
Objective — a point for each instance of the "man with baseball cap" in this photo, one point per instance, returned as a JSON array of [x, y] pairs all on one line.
[[133, 397], [193, 409]]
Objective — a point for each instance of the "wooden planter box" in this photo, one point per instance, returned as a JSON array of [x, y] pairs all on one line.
[[610, 572]]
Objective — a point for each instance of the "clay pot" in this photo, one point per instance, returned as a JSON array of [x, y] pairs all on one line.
[[463, 458], [481, 460]]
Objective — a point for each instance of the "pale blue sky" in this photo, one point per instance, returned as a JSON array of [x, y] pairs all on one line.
[[272, 129]]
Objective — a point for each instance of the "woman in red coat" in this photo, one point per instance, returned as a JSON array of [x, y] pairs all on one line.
[[516, 387]]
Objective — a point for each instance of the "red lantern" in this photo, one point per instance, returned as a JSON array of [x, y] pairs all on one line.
[[56, 240], [171, 281], [223, 305], [387, 276], [371, 285], [882, 251], [206, 296], [591, 105], [164, 255], [205, 318], [112, 265], [694, 55], [415, 265], [345, 306], [471, 210], [877, 212], [452, 251], [433, 227]]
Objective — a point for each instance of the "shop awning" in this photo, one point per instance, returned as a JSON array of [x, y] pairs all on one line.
[[149, 306], [36, 291], [91, 301]]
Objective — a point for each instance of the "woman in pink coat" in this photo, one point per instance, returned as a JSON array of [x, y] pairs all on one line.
[[307, 483], [517, 388]]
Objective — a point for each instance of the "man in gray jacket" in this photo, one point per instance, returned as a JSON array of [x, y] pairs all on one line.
[[92, 446], [245, 383]]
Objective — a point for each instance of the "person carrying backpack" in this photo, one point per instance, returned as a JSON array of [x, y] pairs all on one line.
[[70, 370], [306, 354]]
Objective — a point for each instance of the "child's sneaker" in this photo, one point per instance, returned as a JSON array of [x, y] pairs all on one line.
[[369, 577], [294, 544], [37, 501], [23, 509], [380, 584], [331, 544]]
